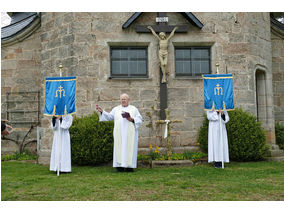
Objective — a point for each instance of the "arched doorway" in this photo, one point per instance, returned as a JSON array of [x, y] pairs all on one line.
[[264, 102]]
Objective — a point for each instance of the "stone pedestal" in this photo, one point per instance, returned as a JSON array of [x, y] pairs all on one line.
[[275, 154]]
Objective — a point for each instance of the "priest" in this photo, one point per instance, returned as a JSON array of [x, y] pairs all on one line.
[[61, 148], [127, 120], [217, 137]]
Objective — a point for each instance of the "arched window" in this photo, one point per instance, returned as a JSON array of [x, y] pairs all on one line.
[[261, 95]]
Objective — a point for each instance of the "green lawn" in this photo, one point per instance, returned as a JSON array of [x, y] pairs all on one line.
[[238, 181]]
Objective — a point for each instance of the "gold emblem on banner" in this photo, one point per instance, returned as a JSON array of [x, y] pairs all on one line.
[[60, 90], [218, 89]]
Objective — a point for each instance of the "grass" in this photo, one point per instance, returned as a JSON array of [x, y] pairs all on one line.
[[253, 181]]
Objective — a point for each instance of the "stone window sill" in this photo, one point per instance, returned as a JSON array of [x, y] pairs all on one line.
[[188, 78], [128, 79]]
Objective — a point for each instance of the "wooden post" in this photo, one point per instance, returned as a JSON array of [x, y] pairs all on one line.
[[163, 97], [168, 121]]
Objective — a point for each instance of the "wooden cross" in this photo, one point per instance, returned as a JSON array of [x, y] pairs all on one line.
[[162, 27], [169, 143]]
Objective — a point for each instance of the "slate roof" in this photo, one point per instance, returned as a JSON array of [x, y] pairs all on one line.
[[189, 17], [19, 22], [277, 23]]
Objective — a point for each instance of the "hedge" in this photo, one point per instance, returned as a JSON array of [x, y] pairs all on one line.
[[91, 140]]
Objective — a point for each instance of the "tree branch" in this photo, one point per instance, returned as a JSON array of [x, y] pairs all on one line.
[[28, 133], [10, 139], [28, 142]]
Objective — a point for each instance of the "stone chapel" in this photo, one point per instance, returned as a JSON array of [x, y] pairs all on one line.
[[114, 52]]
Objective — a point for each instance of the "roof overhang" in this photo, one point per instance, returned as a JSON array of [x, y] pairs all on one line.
[[188, 16], [20, 30], [277, 27]]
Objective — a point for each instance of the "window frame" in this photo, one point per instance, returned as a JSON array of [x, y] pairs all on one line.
[[180, 75], [128, 59]]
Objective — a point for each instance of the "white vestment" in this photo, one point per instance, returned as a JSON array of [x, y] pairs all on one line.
[[64, 151], [125, 135], [214, 137]]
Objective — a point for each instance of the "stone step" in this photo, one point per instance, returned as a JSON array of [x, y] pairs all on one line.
[[278, 159], [276, 153], [44, 160], [274, 147]]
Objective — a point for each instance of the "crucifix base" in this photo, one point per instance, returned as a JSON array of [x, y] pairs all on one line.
[[167, 121]]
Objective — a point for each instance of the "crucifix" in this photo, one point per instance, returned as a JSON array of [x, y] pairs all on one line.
[[163, 50], [163, 28], [167, 133]]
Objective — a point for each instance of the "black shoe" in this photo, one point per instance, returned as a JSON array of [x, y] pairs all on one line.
[[129, 169], [218, 164], [119, 169]]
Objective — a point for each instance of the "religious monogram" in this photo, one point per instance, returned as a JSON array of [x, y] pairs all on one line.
[[218, 89], [60, 90]]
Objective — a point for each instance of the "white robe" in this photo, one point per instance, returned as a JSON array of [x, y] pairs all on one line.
[[124, 126], [214, 139], [65, 149]]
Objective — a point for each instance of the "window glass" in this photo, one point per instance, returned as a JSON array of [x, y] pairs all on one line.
[[192, 61], [129, 62]]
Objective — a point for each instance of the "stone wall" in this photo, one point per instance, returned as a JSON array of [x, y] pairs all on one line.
[[277, 41], [20, 75], [240, 42]]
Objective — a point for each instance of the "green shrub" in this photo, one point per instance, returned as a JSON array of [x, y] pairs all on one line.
[[246, 137], [203, 135], [91, 140], [279, 133], [26, 155]]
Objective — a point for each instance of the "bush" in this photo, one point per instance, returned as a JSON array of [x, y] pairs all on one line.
[[246, 137], [91, 140], [279, 133], [203, 135]]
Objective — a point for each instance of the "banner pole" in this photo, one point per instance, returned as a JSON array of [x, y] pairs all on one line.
[[60, 70], [59, 149], [221, 139], [217, 66], [59, 141]]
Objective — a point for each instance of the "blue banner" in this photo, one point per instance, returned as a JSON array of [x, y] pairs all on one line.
[[60, 93], [218, 92]]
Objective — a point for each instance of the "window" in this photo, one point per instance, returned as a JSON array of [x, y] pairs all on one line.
[[192, 61], [129, 62]]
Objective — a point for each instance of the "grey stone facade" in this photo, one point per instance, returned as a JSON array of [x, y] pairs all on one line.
[[240, 42], [277, 41], [20, 72]]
